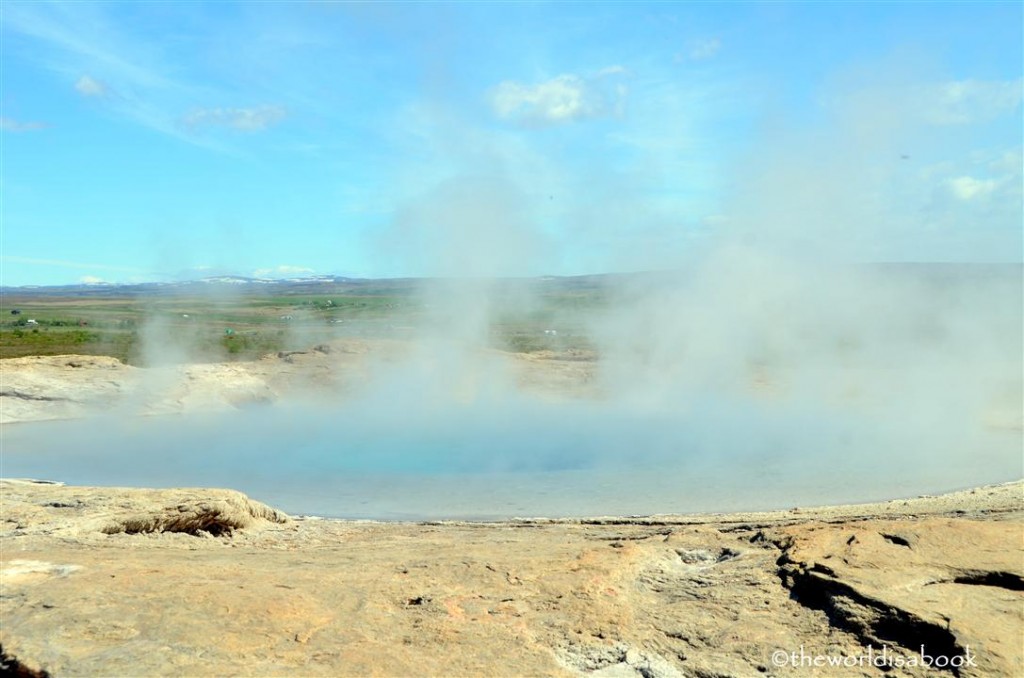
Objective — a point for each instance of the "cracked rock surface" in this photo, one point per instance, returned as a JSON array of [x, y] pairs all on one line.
[[942, 583], [108, 581]]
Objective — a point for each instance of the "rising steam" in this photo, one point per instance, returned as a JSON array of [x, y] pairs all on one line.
[[770, 361]]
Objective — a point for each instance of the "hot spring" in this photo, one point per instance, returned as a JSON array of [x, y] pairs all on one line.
[[522, 456], [702, 396]]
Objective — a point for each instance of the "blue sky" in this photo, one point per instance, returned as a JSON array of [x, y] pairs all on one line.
[[168, 140]]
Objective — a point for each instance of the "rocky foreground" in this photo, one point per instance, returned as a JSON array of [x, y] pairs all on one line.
[[134, 582], [119, 582]]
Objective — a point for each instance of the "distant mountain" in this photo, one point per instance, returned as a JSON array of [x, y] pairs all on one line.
[[319, 283], [332, 284]]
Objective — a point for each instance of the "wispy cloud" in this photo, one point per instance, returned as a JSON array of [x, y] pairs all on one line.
[[12, 125], [78, 33], [254, 119], [961, 102], [563, 99], [129, 75], [88, 86], [704, 49]]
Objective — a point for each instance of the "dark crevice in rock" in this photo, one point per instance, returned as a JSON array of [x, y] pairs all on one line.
[[708, 673], [1003, 580], [37, 398], [10, 666], [629, 537], [651, 522], [823, 569], [63, 504], [727, 554], [894, 539], [783, 544], [197, 527], [872, 621], [749, 527], [758, 537]]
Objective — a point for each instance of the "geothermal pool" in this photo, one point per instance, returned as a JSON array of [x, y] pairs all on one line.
[[519, 459]]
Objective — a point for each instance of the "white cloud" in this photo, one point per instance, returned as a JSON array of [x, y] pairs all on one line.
[[88, 86], [1008, 162], [971, 203], [969, 188], [563, 99], [704, 49], [91, 280], [960, 102], [282, 271], [12, 125], [243, 119]]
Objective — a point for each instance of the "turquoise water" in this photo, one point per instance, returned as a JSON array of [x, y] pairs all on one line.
[[517, 458]]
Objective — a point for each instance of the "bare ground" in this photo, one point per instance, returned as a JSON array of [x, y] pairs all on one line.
[[118, 582], [104, 581], [38, 388]]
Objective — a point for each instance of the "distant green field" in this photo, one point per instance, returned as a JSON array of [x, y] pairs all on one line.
[[136, 329]]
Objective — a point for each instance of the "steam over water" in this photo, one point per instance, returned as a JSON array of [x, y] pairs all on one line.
[[703, 402], [752, 351], [524, 459]]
